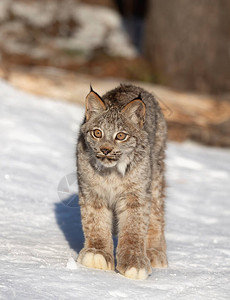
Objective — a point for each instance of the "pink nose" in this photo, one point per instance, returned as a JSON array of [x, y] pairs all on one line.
[[105, 150]]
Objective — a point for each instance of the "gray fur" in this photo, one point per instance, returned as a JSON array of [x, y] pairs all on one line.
[[127, 189]]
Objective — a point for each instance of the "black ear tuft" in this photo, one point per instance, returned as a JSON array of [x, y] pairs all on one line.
[[92, 90], [138, 97]]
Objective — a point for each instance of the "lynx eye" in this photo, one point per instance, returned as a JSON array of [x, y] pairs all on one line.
[[97, 133], [121, 136]]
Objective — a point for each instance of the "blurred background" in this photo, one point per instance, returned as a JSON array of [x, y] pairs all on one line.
[[179, 50]]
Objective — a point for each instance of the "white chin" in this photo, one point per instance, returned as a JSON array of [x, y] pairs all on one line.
[[107, 163]]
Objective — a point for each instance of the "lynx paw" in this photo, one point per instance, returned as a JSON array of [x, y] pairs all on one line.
[[134, 266], [98, 259], [157, 258], [134, 273]]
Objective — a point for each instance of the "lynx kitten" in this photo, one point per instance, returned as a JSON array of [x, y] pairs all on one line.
[[120, 168]]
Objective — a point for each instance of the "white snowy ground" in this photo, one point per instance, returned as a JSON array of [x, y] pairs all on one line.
[[40, 236]]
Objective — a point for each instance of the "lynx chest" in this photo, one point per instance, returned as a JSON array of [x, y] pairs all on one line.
[[110, 188]]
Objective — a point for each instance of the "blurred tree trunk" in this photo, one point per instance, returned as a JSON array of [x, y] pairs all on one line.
[[133, 13], [188, 43]]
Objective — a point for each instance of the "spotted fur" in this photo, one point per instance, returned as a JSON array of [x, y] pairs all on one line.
[[121, 182]]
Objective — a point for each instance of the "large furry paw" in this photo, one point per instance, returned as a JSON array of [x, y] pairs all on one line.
[[157, 258], [134, 266], [94, 258]]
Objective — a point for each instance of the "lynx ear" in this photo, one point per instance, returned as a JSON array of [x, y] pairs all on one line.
[[94, 104], [135, 111]]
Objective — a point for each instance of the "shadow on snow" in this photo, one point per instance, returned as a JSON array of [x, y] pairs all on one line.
[[68, 218]]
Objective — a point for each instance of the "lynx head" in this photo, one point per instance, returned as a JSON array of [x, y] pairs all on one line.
[[112, 131]]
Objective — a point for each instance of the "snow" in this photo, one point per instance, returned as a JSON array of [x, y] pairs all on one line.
[[41, 234]]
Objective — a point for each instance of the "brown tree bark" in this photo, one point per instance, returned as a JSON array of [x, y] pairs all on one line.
[[187, 43]]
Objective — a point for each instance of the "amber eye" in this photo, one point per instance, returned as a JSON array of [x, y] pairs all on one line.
[[121, 136], [97, 133]]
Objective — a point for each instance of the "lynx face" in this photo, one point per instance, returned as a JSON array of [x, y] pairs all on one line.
[[110, 143], [112, 135]]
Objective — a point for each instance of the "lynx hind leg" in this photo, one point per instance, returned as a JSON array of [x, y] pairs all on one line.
[[156, 244], [158, 258]]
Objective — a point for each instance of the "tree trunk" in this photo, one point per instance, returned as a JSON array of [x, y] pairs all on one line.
[[188, 42]]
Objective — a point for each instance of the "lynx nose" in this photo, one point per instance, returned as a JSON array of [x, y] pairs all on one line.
[[105, 150]]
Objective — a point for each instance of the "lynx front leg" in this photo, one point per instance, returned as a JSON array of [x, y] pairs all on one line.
[[132, 260], [98, 248]]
